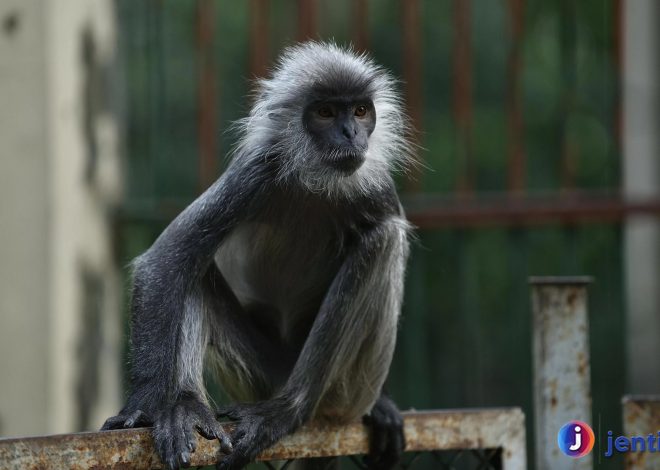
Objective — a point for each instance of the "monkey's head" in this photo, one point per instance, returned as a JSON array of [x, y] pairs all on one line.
[[332, 118]]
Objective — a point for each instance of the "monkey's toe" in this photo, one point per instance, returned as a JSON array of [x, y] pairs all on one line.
[[386, 440]]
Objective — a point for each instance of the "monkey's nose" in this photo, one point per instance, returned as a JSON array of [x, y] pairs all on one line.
[[349, 131]]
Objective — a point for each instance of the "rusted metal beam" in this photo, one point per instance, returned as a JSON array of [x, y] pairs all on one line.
[[641, 417], [462, 91], [361, 25], [517, 162], [434, 430], [570, 146], [259, 35], [206, 95], [411, 28], [429, 213], [307, 19], [562, 380]]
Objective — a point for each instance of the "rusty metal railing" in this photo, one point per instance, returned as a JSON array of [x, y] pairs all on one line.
[[428, 431]]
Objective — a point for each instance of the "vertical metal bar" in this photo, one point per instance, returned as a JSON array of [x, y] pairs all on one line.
[[562, 384], [517, 159], [462, 68], [617, 56], [307, 19], [361, 25], [206, 94], [259, 33], [412, 75], [641, 417], [568, 50]]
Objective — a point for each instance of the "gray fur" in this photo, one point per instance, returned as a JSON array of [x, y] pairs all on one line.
[[274, 125], [287, 274]]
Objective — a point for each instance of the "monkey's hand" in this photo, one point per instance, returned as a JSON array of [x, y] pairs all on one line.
[[386, 440], [259, 425], [174, 426]]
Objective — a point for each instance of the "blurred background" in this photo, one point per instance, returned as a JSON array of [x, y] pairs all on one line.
[[539, 131]]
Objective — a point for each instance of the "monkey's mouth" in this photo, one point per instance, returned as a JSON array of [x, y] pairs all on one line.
[[347, 163]]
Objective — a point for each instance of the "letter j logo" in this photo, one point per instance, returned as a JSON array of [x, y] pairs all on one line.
[[576, 439]]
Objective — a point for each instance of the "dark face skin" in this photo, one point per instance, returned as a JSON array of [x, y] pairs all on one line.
[[341, 130]]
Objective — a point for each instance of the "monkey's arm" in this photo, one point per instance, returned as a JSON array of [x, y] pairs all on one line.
[[351, 343], [168, 334]]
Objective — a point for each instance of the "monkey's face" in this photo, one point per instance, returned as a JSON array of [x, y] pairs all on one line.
[[340, 130]]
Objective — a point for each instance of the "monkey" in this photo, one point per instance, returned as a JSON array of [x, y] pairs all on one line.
[[286, 275]]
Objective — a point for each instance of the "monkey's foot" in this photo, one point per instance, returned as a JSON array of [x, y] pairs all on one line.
[[174, 436], [386, 440], [259, 425]]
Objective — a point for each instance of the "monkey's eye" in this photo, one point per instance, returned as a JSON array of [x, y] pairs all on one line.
[[325, 112], [361, 111]]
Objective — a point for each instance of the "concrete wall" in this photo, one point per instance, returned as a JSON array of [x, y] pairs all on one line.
[[641, 168], [60, 294]]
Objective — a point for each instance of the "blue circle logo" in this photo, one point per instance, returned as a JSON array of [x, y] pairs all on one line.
[[576, 439]]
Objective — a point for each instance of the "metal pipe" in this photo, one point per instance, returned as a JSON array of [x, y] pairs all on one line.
[[502, 428], [562, 383]]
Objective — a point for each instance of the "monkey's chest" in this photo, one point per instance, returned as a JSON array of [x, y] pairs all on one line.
[[281, 270]]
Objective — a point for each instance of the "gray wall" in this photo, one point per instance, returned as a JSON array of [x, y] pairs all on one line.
[[59, 183]]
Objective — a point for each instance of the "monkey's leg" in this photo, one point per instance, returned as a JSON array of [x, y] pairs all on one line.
[[249, 364], [386, 439]]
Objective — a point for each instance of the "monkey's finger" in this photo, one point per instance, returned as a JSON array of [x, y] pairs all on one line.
[[116, 422], [225, 442], [395, 445], [184, 437], [211, 427], [377, 440], [207, 432], [400, 439], [165, 449], [216, 431], [135, 419], [238, 435], [239, 458]]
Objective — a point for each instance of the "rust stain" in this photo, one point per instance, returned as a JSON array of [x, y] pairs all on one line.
[[582, 364]]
